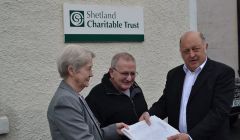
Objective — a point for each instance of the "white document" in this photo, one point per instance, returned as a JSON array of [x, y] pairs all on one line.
[[158, 130]]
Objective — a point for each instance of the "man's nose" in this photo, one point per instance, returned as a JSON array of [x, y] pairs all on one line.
[[192, 53], [91, 74], [129, 77]]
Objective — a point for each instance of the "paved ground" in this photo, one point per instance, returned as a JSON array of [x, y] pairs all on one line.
[[235, 131]]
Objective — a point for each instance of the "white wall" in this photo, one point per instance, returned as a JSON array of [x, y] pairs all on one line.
[[217, 19], [31, 36]]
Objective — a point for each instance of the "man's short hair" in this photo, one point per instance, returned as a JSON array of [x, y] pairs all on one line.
[[200, 35], [123, 55], [73, 55]]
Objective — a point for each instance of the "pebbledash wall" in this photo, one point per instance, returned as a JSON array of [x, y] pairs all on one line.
[[31, 36]]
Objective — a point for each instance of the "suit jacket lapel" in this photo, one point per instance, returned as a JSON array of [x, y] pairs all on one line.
[[91, 115], [202, 77], [64, 85], [182, 75], [179, 87]]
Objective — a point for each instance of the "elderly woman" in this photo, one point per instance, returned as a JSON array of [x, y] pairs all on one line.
[[68, 114]]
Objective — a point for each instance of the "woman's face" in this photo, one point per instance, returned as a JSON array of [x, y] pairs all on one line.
[[82, 76]]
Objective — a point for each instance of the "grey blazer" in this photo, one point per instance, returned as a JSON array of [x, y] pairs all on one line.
[[70, 118]]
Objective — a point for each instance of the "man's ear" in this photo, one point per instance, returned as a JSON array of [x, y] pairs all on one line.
[[111, 72], [206, 46]]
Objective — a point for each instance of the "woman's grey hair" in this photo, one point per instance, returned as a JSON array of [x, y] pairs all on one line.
[[123, 55], [75, 56]]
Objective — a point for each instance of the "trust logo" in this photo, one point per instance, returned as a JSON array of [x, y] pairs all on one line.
[[76, 18]]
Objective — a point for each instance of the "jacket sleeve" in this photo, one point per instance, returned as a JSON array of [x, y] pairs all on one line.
[[218, 114], [69, 118], [110, 132], [159, 107]]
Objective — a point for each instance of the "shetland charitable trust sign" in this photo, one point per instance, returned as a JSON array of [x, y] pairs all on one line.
[[95, 23]]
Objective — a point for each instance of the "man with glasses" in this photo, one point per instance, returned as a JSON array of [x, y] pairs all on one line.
[[118, 98]]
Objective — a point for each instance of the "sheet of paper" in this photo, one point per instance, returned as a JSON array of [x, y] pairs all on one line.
[[158, 130]]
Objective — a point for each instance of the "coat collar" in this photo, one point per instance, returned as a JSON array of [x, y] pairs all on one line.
[[64, 85]]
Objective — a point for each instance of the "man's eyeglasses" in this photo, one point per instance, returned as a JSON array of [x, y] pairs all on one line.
[[126, 74]]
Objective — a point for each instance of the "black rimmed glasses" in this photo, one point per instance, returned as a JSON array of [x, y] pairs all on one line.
[[126, 74]]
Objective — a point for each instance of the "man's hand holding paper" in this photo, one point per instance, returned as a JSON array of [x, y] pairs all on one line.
[[158, 130]]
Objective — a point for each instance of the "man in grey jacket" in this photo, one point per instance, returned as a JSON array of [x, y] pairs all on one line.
[[68, 114]]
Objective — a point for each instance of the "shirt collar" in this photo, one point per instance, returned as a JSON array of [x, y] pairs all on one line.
[[197, 69]]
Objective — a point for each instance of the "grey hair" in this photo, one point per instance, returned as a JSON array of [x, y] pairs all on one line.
[[75, 56], [203, 38], [123, 55]]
